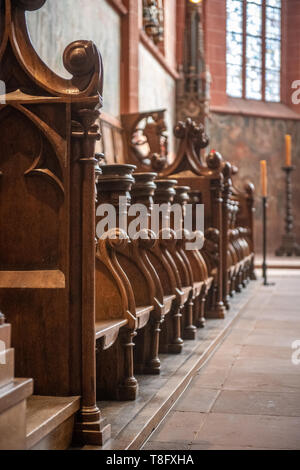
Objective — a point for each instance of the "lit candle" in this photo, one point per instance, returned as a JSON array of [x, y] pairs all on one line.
[[264, 179], [288, 150]]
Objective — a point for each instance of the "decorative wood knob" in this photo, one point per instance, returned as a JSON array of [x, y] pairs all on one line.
[[143, 189], [182, 195], [165, 191], [30, 5]]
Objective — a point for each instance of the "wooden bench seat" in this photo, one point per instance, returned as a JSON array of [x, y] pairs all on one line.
[[142, 314], [109, 329], [167, 303]]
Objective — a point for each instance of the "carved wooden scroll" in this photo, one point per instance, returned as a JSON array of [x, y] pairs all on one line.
[[147, 139], [47, 213]]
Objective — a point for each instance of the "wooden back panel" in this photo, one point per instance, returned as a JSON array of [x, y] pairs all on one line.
[[112, 143], [47, 194]]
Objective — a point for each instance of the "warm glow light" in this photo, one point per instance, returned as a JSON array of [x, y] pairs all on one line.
[[264, 178], [288, 150], [195, 1]]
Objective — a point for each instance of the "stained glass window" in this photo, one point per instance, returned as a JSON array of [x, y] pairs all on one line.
[[254, 49]]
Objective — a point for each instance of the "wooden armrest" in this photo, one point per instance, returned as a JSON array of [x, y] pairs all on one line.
[[197, 287], [103, 327], [186, 290], [142, 315], [168, 299], [109, 330]]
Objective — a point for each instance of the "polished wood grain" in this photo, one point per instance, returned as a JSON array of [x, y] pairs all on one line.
[[47, 214]]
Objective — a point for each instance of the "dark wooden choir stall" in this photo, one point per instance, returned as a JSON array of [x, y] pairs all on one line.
[[47, 236], [90, 307]]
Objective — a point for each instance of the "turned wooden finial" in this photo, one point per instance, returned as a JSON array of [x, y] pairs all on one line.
[[214, 160], [165, 191], [143, 189], [182, 195], [116, 180], [30, 5]]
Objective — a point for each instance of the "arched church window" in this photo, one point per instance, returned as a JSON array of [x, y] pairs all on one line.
[[254, 49]]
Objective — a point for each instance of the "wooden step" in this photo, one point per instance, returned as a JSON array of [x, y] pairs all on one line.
[[6, 367], [5, 335], [50, 422], [13, 414]]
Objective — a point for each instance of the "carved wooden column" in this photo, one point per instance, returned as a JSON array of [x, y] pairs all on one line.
[[227, 192], [214, 161], [85, 130]]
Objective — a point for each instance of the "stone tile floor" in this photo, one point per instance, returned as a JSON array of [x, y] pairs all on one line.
[[133, 421], [247, 396]]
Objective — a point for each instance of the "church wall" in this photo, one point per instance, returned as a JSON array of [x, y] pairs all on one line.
[[245, 141], [156, 89], [58, 23]]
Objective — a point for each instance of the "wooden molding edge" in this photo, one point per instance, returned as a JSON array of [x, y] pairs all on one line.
[[243, 107], [153, 49], [111, 120], [118, 6]]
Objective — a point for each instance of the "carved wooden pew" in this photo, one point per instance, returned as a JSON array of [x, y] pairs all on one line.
[[117, 276], [240, 257], [164, 195], [136, 270], [209, 254], [189, 170], [170, 296], [133, 264], [115, 138], [231, 251], [142, 193], [196, 264], [147, 148], [245, 219], [47, 218]]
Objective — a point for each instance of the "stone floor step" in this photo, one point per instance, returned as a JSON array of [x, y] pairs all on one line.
[[5, 336], [13, 414], [50, 421], [7, 367]]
